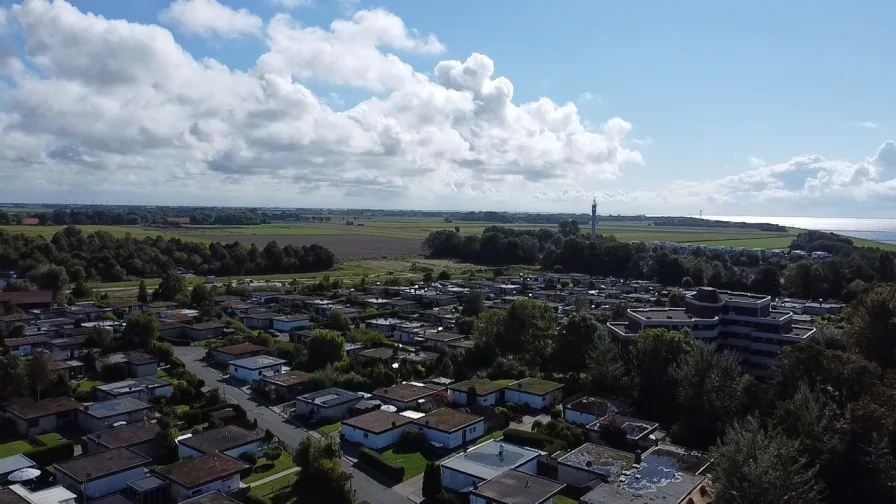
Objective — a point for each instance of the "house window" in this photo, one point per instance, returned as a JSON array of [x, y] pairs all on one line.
[[365, 435]]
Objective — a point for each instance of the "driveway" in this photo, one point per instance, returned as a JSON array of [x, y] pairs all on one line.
[[365, 487]]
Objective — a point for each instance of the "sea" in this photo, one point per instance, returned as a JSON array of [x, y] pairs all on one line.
[[881, 230]]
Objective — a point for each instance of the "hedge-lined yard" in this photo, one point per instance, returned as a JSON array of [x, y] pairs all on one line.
[[265, 468]]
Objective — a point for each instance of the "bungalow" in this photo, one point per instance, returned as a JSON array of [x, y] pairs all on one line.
[[101, 473], [230, 440], [396, 355], [204, 331], [22, 347], [204, 474], [87, 313], [383, 325], [26, 300], [262, 320], [71, 368], [293, 300], [376, 430], [635, 429], [440, 299], [488, 393], [54, 326], [47, 415], [73, 347], [404, 306], [331, 403], [449, 428], [438, 341], [299, 337], [263, 297], [139, 437], [251, 369], [534, 392], [483, 462], [516, 487], [407, 395], [219, 300], [590, 462], [7, 321], [171, 330], [141, 364], [104, 415], [128, 308], [162, 307], [144, 389], [287, 385], [290, 323], [230, 353], [406, 331], [587, 410]]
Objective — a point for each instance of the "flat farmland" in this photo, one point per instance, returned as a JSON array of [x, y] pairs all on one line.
[[347, 245]]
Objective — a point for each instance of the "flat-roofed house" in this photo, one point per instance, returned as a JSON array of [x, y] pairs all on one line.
[[104, 415], [287, 385], [144, 389], [251, 369], [229, 440], [204, 330], [376, 430], [23, 347], [201, 475], [486, 461], [26, 300], [226, 354], [587, 410], [8, 321], [140, 437], [488, 393], [451, 428], [407, 395], [141, 364], [47, 415], [516, 487], [591, 462], [333, 403], [534, 392], [101, 473]]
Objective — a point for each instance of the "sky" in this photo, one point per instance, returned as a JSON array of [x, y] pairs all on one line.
[[731, 108]]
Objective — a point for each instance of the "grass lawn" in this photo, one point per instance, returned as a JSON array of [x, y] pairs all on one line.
[[562, 499], [506, 382], [51, 439], [265, 490], [14, 448], [493, 435], [266, 468], [414, 463], [328, 429], [88, 385]]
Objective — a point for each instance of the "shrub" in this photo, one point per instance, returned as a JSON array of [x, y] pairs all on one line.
[[534, 440], [412, 440], [191, 417], [273, 453], [378, 462], [556, 412], [249, 458], [505, 415]]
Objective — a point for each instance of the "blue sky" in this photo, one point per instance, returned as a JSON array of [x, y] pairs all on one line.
[[775, 108]]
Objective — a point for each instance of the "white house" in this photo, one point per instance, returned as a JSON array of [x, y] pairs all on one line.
[[516, 487], [201, 475], [407, 395], [144, 389], [534, 392], [449, 428], [383, 325], [101, 473], [48, 415], [104, 415], [53, 495], [251, 369], [591, 462], [263, 297], [332, 403], [229, 440], [488, 393], [376, 430], [587, 410], [140, 437], [291, 322], [22, 347], [486, 461], [227, 354]]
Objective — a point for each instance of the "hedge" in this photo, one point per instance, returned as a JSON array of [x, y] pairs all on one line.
[[383, 465], [49, 455], [176, 363], [534, 440]]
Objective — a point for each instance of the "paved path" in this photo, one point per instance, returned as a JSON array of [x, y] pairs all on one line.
[[272, 478], [366, 487]]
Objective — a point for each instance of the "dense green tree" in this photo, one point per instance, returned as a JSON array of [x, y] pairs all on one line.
[[40, 372], [872, 324], [201, 297], [320, 470], [172, 287], [568, 228], [13, 377], [575, 342], [753, 465], [654, 354], [50, 277], [141, 330], [339, 322], [432, 481], [530, 331], [325, 347], [605, 368], [142, 294], [687, 283], [766, 280], [474, 304], [427, 277], [81, 291], [18, 330]]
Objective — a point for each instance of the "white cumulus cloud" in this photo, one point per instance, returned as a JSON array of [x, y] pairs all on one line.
[[210, 17], [292, 4], [105, 107]]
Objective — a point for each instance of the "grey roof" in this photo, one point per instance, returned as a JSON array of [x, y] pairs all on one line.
[[516, 487], [257, 362], [330, 397], [489, 459], [648, 484], [678, 458], [115, 407], [600, 460], [125, 386], [147, 483], [14, 463]]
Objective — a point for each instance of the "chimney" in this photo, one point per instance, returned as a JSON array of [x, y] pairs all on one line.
[[527, 483], [638, 457]]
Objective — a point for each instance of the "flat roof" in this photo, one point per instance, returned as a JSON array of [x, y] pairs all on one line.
[[329, 397], [7, 496], [126, 435], [441, 336], [125, 386], [405, 392], [601, 460], [289, 378], [14, 463], [490, 459], [517, 487], [377, 421], [535, 386], [483, 387], [220, 439], [677, 458], [448, 420], [211, 498], [97, 465], [197, 471], [743, 297], [257, 362], [115, 407], [27, 340], [45, 407], [241, 349], [635, 428], [115, 498], [146, 483], [386, 353], [645, 485], [139, 358], [596, 406], [662, 313]]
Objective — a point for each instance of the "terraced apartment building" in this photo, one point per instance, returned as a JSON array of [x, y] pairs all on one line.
[[741, 322]]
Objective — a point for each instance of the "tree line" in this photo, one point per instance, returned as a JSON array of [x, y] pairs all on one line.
[[101, 256], [136, 216], [842, 276]]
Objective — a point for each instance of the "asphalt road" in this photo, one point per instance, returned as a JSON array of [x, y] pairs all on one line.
[[366, 487]]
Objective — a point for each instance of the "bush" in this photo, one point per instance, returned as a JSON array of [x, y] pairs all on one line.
[[273, 453], [49, 455], [556, 412], [412, 440], [505, 415], [376, 461], [534, 440], [191, 417], [249, 458]]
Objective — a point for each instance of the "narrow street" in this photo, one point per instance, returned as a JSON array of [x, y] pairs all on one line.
[[366, 487]]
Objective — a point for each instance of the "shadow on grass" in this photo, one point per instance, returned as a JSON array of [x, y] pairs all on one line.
[[262, 468]]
